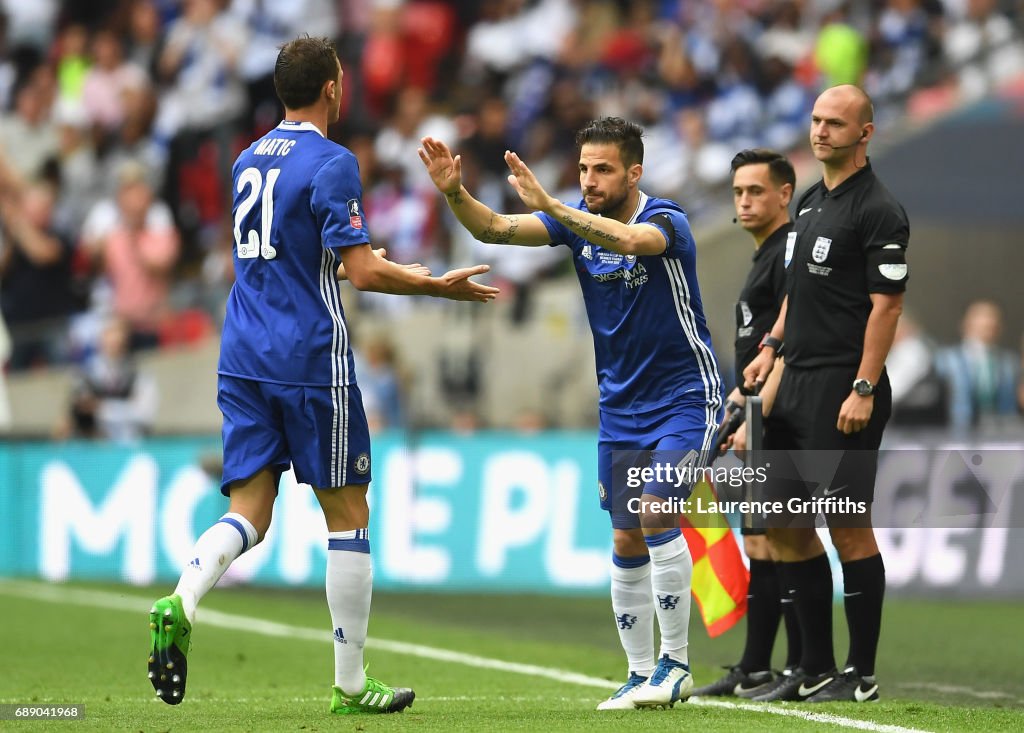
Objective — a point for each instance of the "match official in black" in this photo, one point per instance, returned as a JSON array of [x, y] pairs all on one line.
[[762, 188], [847, 274]]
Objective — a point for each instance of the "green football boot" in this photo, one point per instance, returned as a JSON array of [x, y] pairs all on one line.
[[375, 697], [170, 635]]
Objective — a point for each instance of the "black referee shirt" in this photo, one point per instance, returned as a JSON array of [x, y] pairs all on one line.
[[850, 242], [760, 298]]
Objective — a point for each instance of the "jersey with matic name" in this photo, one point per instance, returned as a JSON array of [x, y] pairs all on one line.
[[651, 339], [297, 197]]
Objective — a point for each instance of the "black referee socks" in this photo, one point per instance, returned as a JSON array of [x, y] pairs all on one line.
[[863, 592], [809, 583], [762, 616], [794, 644]]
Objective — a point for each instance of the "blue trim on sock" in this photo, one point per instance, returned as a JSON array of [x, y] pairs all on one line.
[[241, 530], [350, 534], [630, 562], [662, 538], [349, 545]]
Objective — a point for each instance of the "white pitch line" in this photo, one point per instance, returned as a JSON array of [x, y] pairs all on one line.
[[959, 690], [136, 604], [804, 714]]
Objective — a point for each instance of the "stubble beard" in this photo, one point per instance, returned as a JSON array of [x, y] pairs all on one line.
[[609, 206]]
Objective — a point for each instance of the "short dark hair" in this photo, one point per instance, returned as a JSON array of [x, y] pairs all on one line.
[[303, 67], [779, 168], [626, 135]]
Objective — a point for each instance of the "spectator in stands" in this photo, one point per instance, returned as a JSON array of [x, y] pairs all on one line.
[[841, 52], [383, 385], [144, 34], [28, 136], [904, 47], [36, 284], [919, 393], [112, 399], [983, 377], [30, 24], [785, 102], [77, 167], [786, 35], [537, 27], [108, 82], [270, 25], [199, 63], [398, 140], [200, 111], [72, 62], [134, 141], [985, 48], [136, 249], [733, 118]]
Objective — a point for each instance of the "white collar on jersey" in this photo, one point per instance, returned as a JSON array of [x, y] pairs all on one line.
[[292, 126], [640, 204]]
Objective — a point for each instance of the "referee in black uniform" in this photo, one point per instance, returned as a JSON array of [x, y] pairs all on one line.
[[762, 185], [847, 274]]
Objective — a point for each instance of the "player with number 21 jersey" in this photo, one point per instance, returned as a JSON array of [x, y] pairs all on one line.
[[297, 196]]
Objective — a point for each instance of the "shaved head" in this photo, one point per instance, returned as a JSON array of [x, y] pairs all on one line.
[[854, 99]]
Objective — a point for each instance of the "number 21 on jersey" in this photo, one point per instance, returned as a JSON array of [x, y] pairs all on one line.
[[256, 243]]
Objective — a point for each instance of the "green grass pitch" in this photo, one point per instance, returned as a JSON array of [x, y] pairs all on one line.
[[944, 665]]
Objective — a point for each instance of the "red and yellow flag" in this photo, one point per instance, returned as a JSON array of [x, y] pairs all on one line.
[[720, 577]]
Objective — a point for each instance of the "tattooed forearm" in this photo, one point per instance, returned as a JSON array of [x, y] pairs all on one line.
[[455, 198], [496, 236], [587, 230]]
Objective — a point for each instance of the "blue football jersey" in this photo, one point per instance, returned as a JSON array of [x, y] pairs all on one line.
[[651, 339], [297, 197]]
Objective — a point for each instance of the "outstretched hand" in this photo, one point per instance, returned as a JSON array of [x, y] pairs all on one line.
[[418, 269], [456, 285], [445, 171], [526, 184], [382, 254], [414, 267]]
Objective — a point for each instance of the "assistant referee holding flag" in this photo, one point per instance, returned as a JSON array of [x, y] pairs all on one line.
[[762, 188], [847, 273]]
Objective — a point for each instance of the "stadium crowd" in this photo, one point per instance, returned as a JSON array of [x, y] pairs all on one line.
[[119, 120]]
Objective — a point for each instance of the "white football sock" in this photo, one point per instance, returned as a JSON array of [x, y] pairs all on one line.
[[214, 551], [671, 572], [633, 606], [349, 587]]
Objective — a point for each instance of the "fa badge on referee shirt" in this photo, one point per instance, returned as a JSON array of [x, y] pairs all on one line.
[[821, 247]]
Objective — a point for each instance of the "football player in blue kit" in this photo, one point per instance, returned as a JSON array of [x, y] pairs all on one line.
[[660, 391], [287, 387]]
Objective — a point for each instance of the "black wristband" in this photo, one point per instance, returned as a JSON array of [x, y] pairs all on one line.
[[771, 342]]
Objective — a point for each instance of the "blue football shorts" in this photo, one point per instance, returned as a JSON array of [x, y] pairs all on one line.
[[320, 431], [648, 439]]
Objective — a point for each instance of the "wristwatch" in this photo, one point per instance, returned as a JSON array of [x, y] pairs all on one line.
[[863, 387], [771, 342]]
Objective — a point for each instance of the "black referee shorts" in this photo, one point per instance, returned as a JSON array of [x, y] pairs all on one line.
[[810, 458]]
